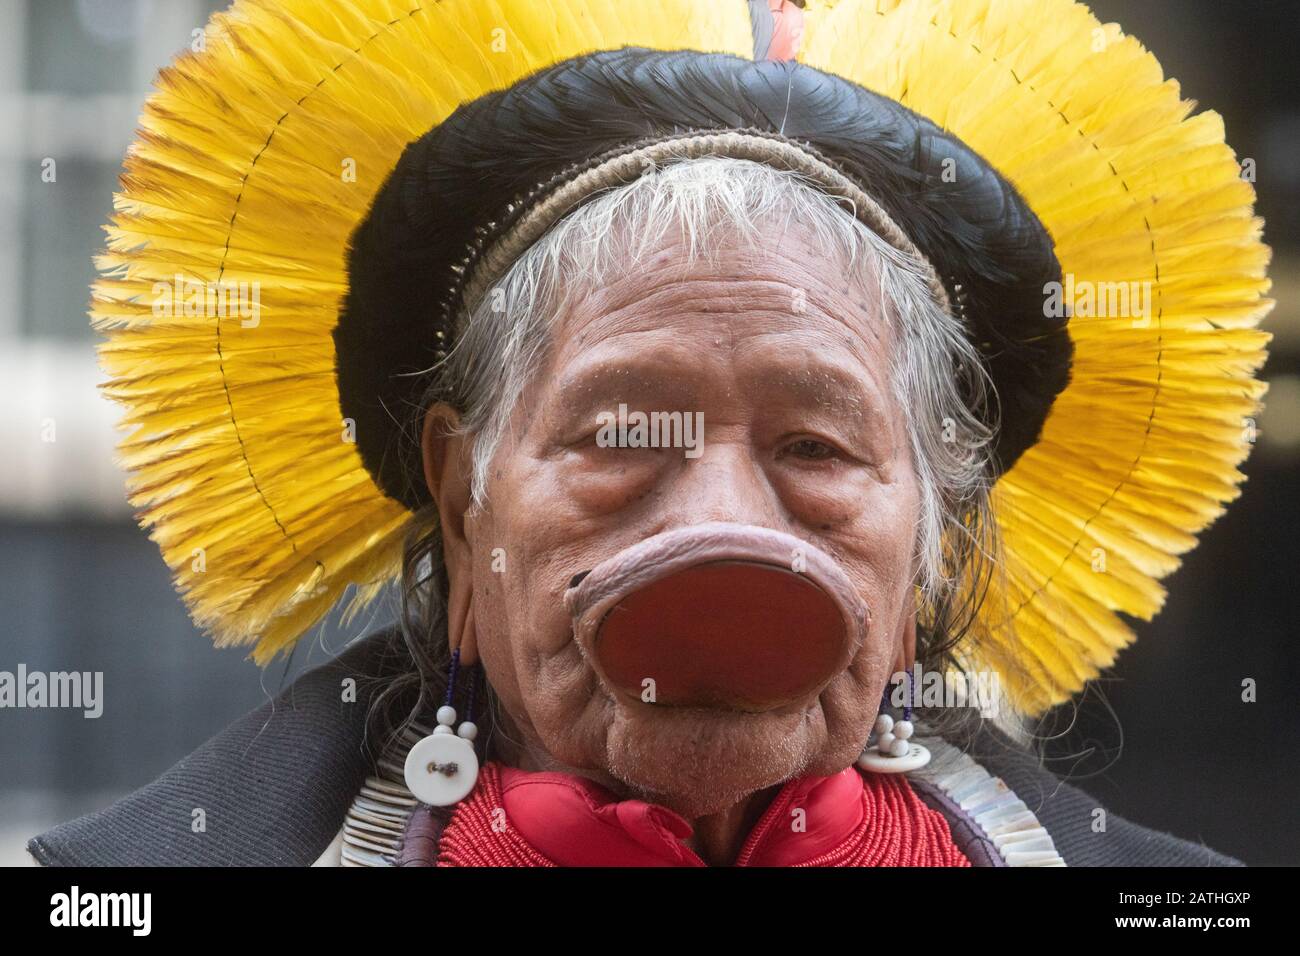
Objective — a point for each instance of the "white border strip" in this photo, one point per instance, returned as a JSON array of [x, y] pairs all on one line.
[[991, 805], [373, 828]]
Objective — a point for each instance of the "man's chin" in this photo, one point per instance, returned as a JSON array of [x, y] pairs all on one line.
[[701, 761]]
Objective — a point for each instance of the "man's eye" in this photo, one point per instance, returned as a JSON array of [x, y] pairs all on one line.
[[808, 449]]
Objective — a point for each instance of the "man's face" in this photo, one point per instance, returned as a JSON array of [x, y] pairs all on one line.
[[802, 434]]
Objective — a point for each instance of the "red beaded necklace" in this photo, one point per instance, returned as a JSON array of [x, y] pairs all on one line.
[[517, 818]]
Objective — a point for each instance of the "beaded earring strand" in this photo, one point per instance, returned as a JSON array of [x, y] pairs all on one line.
[[442, 768], [894, 750]]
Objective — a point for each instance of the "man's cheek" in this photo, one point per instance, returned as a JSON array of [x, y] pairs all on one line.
[[519, 603], [604, 483]]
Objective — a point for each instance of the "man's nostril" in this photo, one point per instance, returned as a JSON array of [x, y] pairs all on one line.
[[577, 578]]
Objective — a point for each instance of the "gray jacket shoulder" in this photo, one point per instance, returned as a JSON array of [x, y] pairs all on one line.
[[1070, 815], [270, 790]]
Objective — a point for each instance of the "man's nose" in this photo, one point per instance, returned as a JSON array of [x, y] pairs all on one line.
[[725, 483]]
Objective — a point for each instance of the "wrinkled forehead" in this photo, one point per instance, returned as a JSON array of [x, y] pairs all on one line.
[[784, 285], [787, 321]]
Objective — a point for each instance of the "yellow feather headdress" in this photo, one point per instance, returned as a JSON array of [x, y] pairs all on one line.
[[259, 154]]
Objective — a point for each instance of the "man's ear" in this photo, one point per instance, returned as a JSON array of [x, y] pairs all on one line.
[[906, 654], [445, 453]]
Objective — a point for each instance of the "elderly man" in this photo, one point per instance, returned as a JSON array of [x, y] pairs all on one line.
[[713, 399]]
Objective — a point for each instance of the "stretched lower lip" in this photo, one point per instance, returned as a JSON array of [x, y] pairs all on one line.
[[731, 634], [715, 616]]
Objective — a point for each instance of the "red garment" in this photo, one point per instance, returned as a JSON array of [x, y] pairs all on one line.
[[516, 818]]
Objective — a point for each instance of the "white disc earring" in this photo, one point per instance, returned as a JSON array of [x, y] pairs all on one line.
[[442, 768]]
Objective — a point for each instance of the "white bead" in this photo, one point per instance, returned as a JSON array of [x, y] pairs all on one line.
[[884, 724], [899, 748], [467, 730], [446, 715], [903, 730], [884, 742], [443, 729]]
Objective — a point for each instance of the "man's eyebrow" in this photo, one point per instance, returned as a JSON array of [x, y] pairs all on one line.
[[606, 383], [830, 387]]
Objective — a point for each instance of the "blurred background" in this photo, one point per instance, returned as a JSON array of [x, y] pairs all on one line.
[[1164, 740]]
